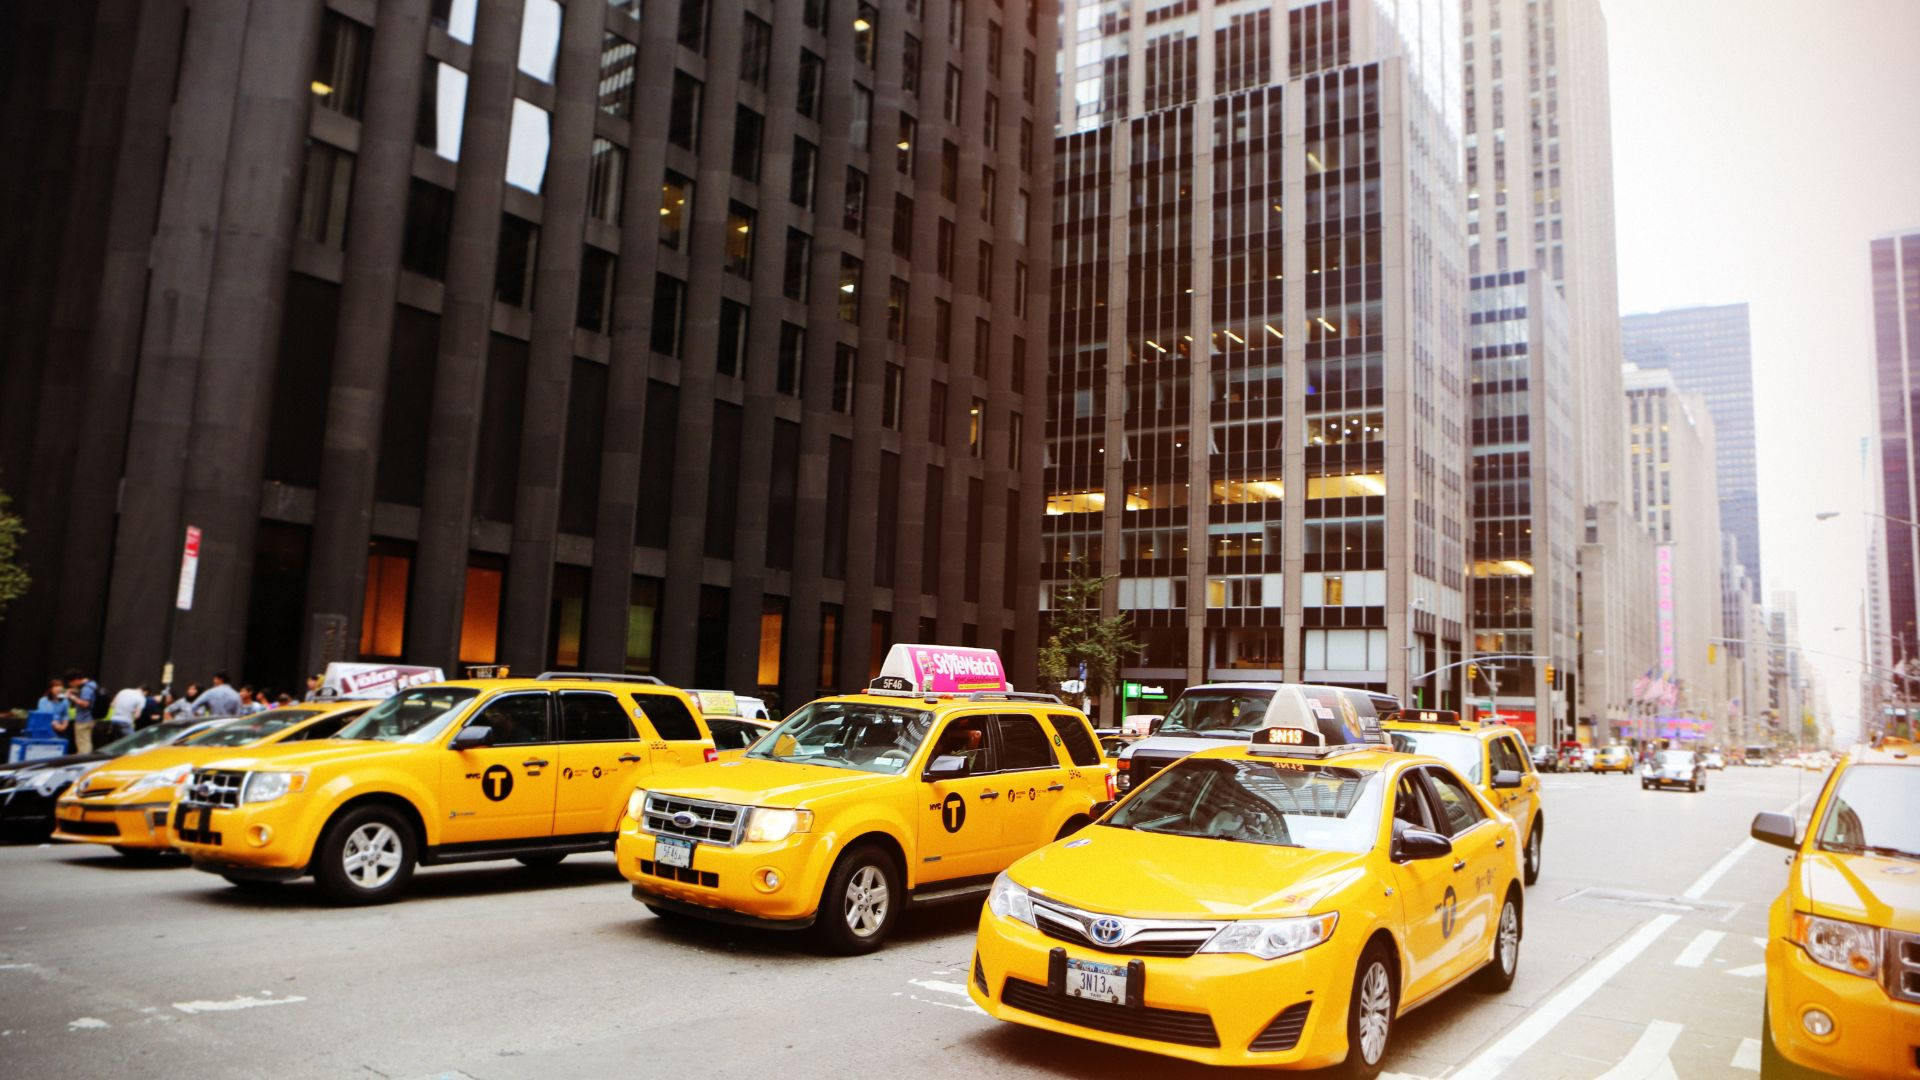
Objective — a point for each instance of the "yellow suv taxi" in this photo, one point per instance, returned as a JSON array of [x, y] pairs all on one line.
[[1843, 939], [1272, 903], [461, 771], [1614, 759], [857, 805], [1481, 754], [126, 802]]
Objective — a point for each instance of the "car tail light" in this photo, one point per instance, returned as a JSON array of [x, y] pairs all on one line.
[[708, 753], [1113, 787]]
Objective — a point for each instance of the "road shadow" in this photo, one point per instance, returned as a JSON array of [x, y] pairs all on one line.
[[1046, 1053], [915, 926], [99, 859], [428, 884]]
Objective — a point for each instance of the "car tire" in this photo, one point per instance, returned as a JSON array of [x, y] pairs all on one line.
[[1531, 854], [1646, 785], [544, 861], [366, 856], [1497, 976], [1372, 978], [861, 901]]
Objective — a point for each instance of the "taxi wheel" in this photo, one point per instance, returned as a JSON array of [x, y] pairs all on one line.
[[1530, 856], [541, 862], [1369, 1015], [366, 857], [1497, 976], [861, 902]]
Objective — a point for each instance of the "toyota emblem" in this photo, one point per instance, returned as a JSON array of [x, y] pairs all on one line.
[[685, 820], [1106, 930]]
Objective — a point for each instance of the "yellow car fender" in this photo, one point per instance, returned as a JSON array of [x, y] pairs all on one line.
[[869, 820], [347, 787]]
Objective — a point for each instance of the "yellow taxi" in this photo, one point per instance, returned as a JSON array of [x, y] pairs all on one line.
[[125, 802], [732, 731], [1260, 904], [1614, 759], [1481, 754], [1843, 939], [460, 771], [917, 791]]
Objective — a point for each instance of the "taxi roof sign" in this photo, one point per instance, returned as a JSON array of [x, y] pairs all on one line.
[[716, 702], [1287, 736], [941, 669], [1442, 717]]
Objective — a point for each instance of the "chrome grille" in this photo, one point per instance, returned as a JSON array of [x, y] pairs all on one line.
[[214, 787], [705, 822], [1903, 965], [1134, 937]]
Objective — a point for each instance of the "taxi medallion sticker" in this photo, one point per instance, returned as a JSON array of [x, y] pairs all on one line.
[[953, 812], [496, 783]]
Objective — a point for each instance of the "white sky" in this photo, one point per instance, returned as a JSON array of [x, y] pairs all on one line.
[[1758, 146]]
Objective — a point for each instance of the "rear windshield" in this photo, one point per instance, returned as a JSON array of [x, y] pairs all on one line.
[[1461, 751], [1199, 712], [250, 729], [1676, 757], [1875, 810], [1319, 807]]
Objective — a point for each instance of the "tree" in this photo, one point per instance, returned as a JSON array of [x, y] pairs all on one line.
[[13, 576], [1081, 635]]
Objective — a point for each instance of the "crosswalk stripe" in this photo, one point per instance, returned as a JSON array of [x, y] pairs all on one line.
[[1747, 1056], [1648, 1058], [1698, 949]]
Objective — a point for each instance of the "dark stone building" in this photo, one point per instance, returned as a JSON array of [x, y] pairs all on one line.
[[685, 337]]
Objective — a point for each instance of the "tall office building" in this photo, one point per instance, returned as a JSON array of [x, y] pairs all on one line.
[[1895, 261], [1257, 371], [693, 344]]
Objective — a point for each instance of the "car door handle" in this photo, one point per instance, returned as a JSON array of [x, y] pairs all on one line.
[[985, 795], [628, 759], [1056, 787], [1501, 842], [1459, 865], [534, 763]]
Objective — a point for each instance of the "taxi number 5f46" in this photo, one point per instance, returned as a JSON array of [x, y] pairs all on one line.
[[670, 852], [1098, 982]]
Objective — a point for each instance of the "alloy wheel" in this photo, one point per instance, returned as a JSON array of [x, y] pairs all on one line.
[[371, 855], [1509, 944], [1376, 1012], [867, 899]]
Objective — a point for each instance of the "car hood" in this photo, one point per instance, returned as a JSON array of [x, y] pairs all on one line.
[[1154, 875], [306, 755], [1866, 889], [124, 770], [759, 782], [52, 762]]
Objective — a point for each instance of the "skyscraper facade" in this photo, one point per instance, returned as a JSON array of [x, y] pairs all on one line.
[[1895, 263], [693, 342], [1257, 367]]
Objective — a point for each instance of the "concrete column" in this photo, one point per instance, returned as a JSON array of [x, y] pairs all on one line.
[[356, 397], [438, 582]]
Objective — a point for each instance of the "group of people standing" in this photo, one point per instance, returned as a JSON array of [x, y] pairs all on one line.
[[81, 707]]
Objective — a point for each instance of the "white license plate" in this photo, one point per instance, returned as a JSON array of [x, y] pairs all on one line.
[[670, 852], [1096, 982]]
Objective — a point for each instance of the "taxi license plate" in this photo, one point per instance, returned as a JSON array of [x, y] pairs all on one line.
[[1096, 982], [668, 851]]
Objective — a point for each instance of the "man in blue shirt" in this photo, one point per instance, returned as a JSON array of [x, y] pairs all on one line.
[[81, 691], [219, 699]]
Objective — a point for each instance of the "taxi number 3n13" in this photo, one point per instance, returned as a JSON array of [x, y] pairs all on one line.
[[1098, 982]]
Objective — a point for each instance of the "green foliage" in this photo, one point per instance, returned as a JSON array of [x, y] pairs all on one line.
[[1082, 635], [13, 576]]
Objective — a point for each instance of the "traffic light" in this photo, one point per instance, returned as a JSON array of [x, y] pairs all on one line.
[[1473, 672], [1713, 650], [1549, 675]]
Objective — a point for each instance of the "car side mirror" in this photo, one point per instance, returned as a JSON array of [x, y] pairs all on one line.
[[947, 767], [1774, 827], [1506, 778], [1411, 844], [1099, 810], [471, 737]]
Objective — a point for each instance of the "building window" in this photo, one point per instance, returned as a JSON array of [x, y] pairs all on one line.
[[956, 24], [949, 170], [340, 72], [937, 413], [866, 27], [617, 59], [1026, 147], [732, 357], [855, 218], [480, 611], [942, 330], [676, 208], [325, 185], [773, 620], [833, 555], [1018, 226], [892, 396], [606, 180], [950, 101], [909, 135], [1020, 290], [669, 314], [902, 226], [383, 612], [527, 141], [683, 116], [643, 624], [806, 161], [988, 192], [943, 250], [829, 647], [910, 65], [423, 249], [983, 272], [814, 14], [846, 359], [806, 98], [993, 48], [982, 348], [896, 310], [756, 46], [1026, 76], [976, 427], [990, 122], [799, 265], [1019, 364], [738, 253], [723, 482], [455, 17], [746, 143], [659, 445], [595, 310], [1014, 431], [885, 545], [539, 38], [514, 261], [443, 110], [692, 29], [791, 360], [850, 271], [783, 494], [860, 127], [567, 619]]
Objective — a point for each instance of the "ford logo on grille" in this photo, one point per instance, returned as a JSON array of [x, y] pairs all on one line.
[[204, 790], [1106, 930], [685, 820]]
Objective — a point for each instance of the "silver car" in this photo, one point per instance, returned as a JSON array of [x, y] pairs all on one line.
[[1212, 713], [1674, 768]]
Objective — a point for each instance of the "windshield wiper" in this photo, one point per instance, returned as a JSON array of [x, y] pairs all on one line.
[[1871, 849]]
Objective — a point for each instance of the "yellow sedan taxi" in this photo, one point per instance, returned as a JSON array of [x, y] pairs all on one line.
[[1480, 754], [857, 805], [1843, 939], [1261, 904], [126, 802]]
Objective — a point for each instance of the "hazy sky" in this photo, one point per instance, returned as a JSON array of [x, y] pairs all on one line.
[[1758, 146]]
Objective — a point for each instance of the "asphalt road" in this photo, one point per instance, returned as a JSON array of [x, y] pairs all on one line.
[[1640, 959]]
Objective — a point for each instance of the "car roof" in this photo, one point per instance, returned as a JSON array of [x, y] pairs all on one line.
[[941, 703], [557, 682], [1890, 752], [1353, 756]]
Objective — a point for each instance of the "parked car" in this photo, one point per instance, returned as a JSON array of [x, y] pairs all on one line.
[[1544, 759], [1714, 760], [29, 789]]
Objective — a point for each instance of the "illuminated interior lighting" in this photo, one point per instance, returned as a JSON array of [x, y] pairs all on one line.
[[846, 287], [1322, 320], [1155, 345], [1274, 332], [861, 25], [321, 88], [1238, 340]]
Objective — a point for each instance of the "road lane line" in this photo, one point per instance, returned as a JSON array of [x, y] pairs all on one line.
[[1747, 1056], [1698, 949], [1648, 1058], [1535, 1025], [234, 1004], [957, 989], [1718, 870], [1751, 971]]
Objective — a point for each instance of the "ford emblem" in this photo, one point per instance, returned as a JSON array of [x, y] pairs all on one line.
[[685, 820], [1106, 930]]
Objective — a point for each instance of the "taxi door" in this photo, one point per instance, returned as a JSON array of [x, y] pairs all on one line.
[[1033, 782], [1504, 754], [675, 737], [505, 789], [599, 754], [1428, 896], [1479, 844], [960, 828]]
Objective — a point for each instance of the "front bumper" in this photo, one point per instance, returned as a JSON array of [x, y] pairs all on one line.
[[250, 840], [1667, 781], [25, 807], [1236, 998], [142, 825], [726, 884], [1874, 1037]]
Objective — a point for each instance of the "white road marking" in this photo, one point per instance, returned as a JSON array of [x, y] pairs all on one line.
[[234, 1004], [1747, 1056], [1496, 1059], [87, 1023], [1648, 1058], [959, 989], [1707, 880], [1698, 949], [941, 987], [1751, 971]]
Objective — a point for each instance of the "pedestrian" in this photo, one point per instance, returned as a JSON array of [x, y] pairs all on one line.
[[152, 708], [82, 692], [55, 701], [220, 699], [124, 709], [182, 707], [314, 682], [285, 699]]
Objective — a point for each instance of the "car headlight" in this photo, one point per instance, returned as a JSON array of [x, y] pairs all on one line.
[[1842, 946], [637, 805], [1010, 901], [268, 786], [1270, 939], [163, 778], [767, 825]]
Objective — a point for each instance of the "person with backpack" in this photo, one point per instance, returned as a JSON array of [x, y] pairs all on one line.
[[83, 694]]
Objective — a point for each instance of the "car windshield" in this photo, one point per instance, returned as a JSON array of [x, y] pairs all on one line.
[[847, 735], [1876, 809], [1456, 749], [250, 729], [415, 715], [1199, 712], [1318, 807], [145, 738], [1675, 758]]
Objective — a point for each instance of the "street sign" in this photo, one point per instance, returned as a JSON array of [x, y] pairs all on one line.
[[1083, 671], [1073, 686], [189, 569]]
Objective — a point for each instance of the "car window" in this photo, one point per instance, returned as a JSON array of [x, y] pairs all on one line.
[[1200, 711], [250, 729], [1319, 807], [515, 719], [732, 734], [965, 737], [1410, 801], [1024, 745], [1073, 734], [669, 716], [848, 735], [416, 715], [1456, 748], [1462, 810], [1505, 757], [325, 729], [1876, 809], [591, 716]]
